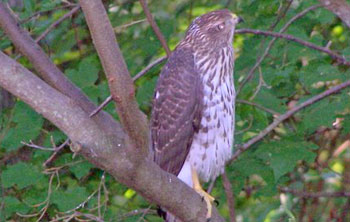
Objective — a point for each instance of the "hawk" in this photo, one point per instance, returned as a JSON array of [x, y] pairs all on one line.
[[192, 121]]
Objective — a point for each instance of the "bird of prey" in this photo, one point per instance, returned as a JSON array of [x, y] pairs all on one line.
[[192, 121]]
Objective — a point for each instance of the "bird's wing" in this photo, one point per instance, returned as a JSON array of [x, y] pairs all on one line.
[[176, 110]]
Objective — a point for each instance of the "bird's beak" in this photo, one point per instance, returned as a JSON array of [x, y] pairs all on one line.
[[239, 18]]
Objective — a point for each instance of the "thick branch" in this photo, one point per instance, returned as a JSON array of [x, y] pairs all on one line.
[[339, 58], [287, 115], [113, 153], [155, 27], [120, 83], [340, 8], [46, 69]]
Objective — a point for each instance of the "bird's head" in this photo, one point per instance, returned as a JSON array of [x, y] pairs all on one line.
[[215, 28]]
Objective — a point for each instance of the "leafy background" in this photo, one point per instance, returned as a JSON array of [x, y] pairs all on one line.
[[308, 153]]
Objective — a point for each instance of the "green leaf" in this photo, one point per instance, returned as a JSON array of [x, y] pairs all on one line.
[[27, 126], [246, 166], [87, 73], [20, 174], [144, 93], [269, 100], [13, 205], [322, 113], [29, 6], [325, 16], [346, 124], [81, 169], [284, 155], [70, 198]]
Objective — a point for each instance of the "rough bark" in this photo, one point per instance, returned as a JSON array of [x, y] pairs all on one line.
[[47, 69], [112, 153], [121, 85], [340, 8]]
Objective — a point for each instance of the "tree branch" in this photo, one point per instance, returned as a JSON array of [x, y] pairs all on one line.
[[281, 13], [258, 106], [285, 116], [229, 196], [136, 77], [155, 27], [53, 25], [340, 8], [121, 86], [113, 153], [334, 55], [269, 46], [46, 69]]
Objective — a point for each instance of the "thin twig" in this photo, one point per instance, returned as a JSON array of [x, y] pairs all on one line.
[[229, 196], [136, 77], [121, 27], [56, 23], [101, 106], [54, 155], [32, 145], [334, 55], [136, 212], [148, 67], [211, 186], [281, 15], [285, 116], [268, 48], [75, 216], [250, 123], [46, 203], [258, 106], [260, 84], [36, 14], [155, 26]]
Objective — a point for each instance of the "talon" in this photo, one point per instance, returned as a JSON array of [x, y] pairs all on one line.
[[216, 203], [205, 196]]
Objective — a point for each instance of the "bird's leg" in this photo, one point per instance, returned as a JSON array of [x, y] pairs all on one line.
[[198, 188]]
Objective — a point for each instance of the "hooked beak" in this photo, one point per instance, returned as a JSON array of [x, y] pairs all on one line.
[[239, 18]]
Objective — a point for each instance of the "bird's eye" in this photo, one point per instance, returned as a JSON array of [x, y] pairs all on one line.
[[220, 26]]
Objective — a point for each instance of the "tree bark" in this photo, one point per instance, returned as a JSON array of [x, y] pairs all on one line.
[[47, 69], [134, 122], [340, 8], [114, 153]]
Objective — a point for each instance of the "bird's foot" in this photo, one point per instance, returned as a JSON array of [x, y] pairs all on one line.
[[207, 198]]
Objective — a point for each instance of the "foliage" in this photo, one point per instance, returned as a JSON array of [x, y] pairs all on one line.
[[299, 153]]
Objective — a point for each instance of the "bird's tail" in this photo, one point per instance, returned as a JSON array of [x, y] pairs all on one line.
[[171, 218], [168, 217]]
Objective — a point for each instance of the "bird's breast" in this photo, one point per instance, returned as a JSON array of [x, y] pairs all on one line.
[[212, 145]]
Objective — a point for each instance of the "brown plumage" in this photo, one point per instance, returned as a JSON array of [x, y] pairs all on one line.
[[176, 110], [192, 122]]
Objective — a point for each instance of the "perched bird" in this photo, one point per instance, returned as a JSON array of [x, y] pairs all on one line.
[[192, 121]]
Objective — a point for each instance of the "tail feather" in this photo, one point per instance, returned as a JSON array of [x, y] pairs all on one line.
[[171, 218], [185, 175]]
